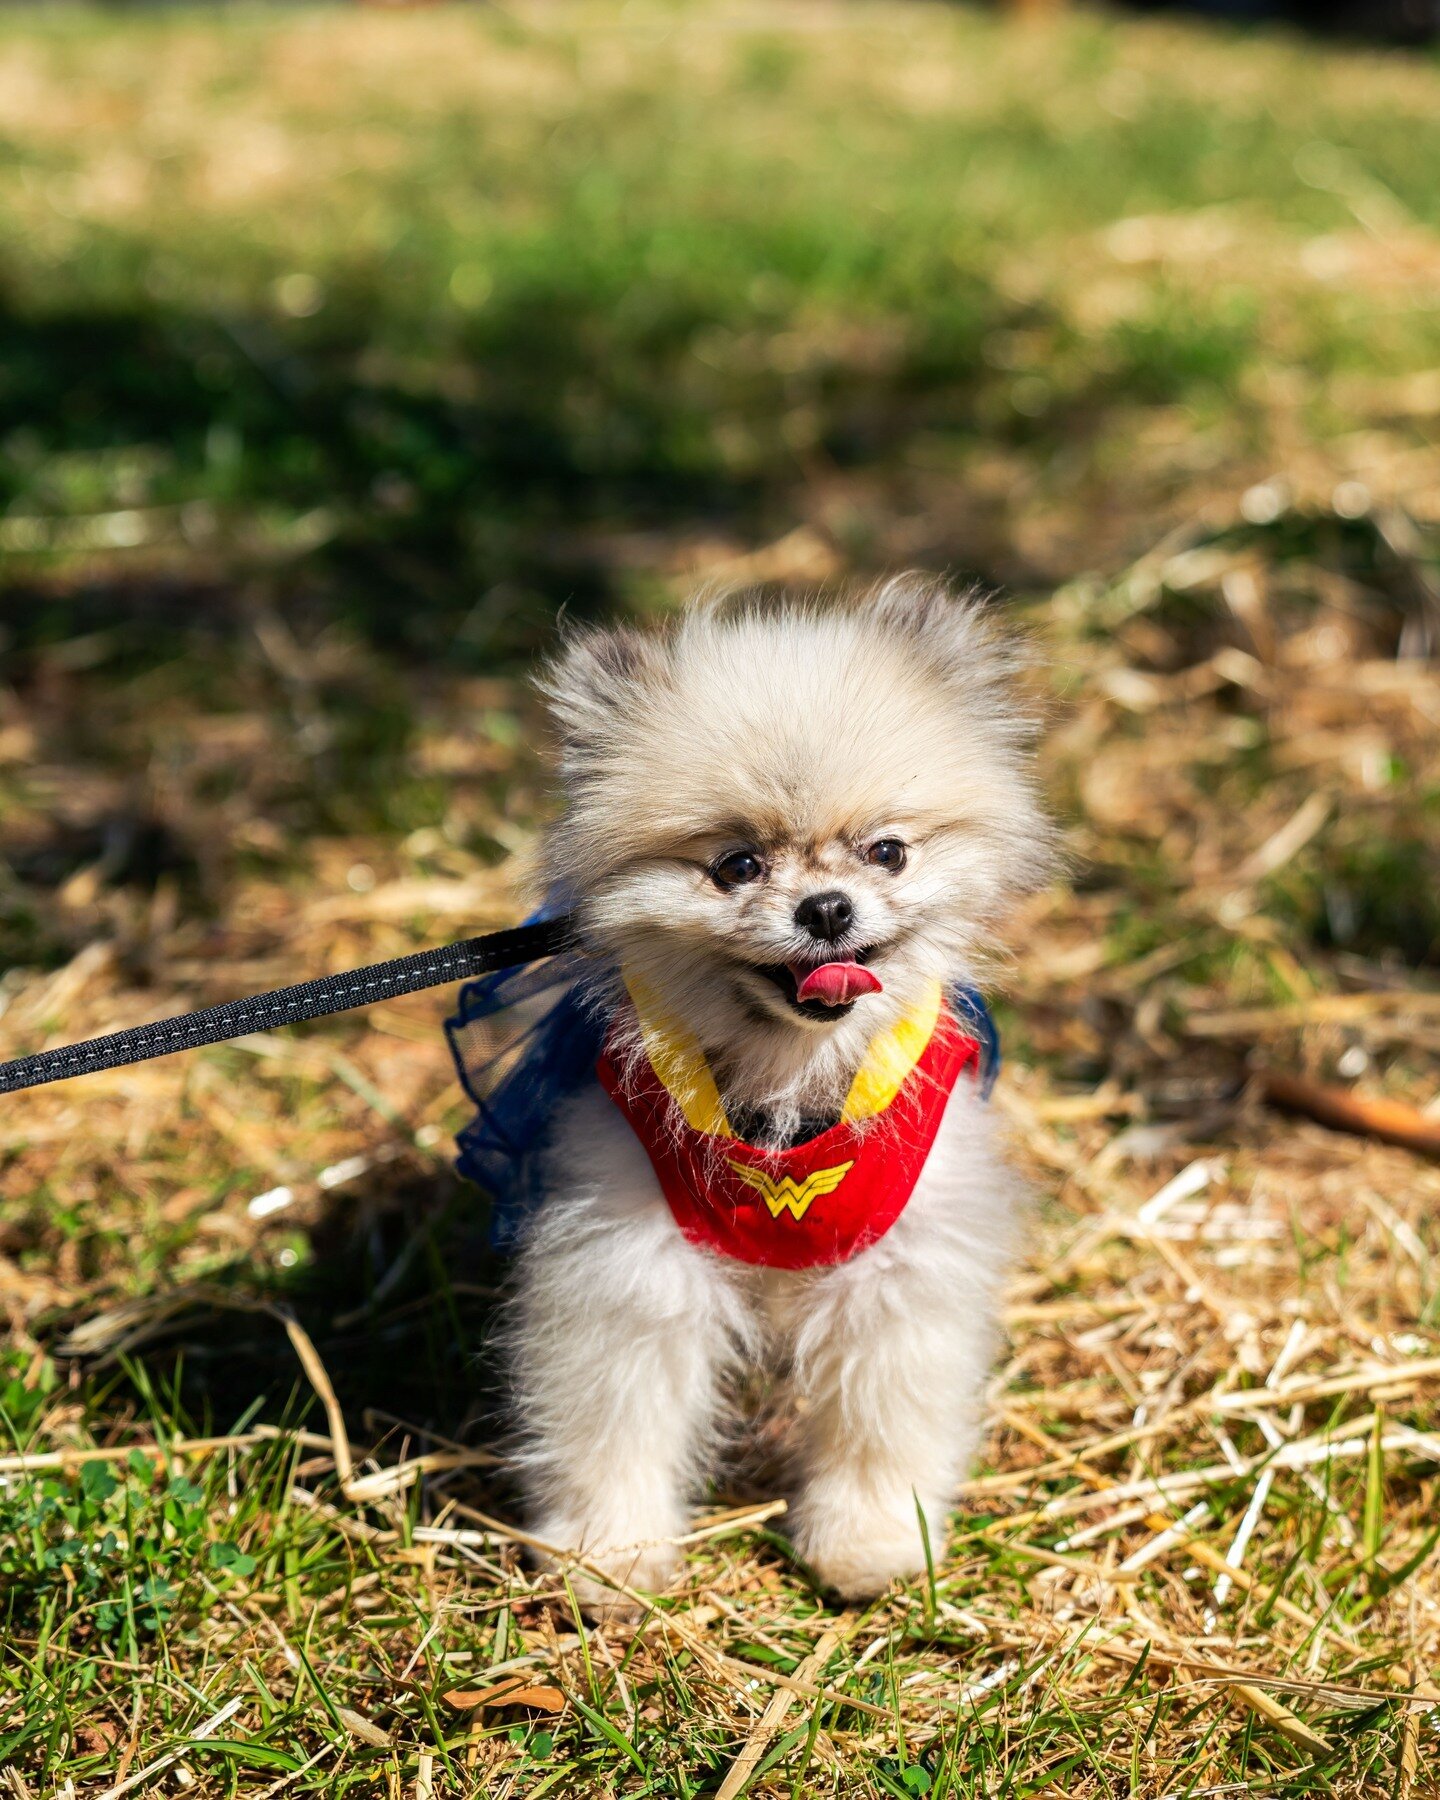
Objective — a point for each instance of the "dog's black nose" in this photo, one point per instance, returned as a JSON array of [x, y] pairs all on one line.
[[825, 916]]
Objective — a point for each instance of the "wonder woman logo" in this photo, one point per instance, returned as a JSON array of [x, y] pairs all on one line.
[[789, 1195]]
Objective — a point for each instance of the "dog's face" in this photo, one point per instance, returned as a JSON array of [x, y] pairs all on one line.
[[788, 821]]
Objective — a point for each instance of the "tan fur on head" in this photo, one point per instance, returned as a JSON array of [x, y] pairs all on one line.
[[806, 732]]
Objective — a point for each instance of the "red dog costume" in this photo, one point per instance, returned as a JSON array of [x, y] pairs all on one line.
[[815, 1203]]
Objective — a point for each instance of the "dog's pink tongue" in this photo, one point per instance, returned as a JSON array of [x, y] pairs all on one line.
[[836, 983]]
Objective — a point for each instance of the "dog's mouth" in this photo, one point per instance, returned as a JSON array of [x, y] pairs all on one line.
[[825, 990]]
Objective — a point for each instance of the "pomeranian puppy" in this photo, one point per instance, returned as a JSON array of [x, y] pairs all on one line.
[[790, 835]]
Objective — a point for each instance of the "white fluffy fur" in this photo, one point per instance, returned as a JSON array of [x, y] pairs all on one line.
[[806, 733]]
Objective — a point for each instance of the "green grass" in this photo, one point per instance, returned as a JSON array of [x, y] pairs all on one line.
[[339, 351], [449, 322]]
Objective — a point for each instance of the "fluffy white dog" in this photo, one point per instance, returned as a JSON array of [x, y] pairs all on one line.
[[790, 831]]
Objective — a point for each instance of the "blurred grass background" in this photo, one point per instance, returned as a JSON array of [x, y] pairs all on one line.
[[415, 327], [339, 351], [451, 305]]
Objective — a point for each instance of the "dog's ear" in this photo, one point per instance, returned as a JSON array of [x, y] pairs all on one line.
[[594, 687], [964, 636], [949, 619], [917, 602]]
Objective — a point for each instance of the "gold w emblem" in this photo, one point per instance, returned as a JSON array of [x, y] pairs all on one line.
[[787, 1194]]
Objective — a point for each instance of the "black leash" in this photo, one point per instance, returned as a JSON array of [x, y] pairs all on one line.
[[290, 1005]]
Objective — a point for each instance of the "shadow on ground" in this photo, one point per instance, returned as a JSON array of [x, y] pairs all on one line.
[[397, 1291]]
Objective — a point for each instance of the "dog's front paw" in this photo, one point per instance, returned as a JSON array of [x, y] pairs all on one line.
[[599, 1577], [859, 1550]]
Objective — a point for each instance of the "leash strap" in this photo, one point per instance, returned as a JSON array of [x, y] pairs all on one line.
[[291, 1005]]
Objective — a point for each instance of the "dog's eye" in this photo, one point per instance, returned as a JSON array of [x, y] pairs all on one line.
[[886, 853], [737, 869]]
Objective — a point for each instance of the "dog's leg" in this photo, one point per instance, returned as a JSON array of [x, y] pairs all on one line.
[[624, 1332], [893, 1352], [890, 1415]]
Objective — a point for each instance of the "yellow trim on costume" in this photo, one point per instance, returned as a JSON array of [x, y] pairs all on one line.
[[678, 1061], [890, 1058]]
